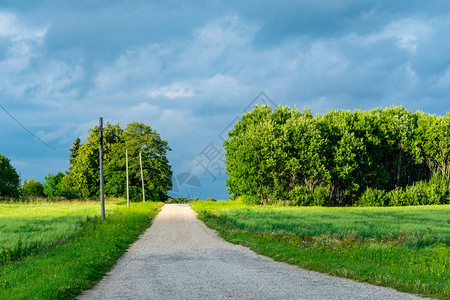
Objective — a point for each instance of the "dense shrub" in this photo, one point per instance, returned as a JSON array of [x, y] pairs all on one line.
[[32, 188], [397, 197], [178, 200], [434, 191], [373, 197], [250, 200], [321, 196], [438, 191], [301, 196]]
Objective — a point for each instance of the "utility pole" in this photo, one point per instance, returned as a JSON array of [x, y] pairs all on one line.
[[128, 190], [102, 188], [142, 178]]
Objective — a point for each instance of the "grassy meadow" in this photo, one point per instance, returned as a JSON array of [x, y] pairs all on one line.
[[406, 248], [57, 250], [26, 227]]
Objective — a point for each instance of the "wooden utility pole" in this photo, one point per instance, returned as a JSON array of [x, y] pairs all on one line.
[[102, 188], [142, 178], [128, 190]]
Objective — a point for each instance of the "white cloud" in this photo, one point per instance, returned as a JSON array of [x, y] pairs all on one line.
[[173, 91], [27, 70], [133, 70], [12, 28], [216, 85], [22, 41], [228, 29], [407, 34]]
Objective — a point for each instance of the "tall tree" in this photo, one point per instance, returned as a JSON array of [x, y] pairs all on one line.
[[83, 177], [141, 138], [74, 151], [52, 186], [9, 179]]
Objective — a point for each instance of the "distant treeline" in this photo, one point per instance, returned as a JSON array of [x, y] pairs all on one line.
[[339, 158]]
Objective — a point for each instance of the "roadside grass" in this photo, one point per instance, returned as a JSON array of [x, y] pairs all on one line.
[[26, 228], [406, 248], [68, 266]]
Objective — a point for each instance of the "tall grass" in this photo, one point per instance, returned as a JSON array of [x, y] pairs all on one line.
[[75, 264], [428, 224], [406, 248], [26, 228]]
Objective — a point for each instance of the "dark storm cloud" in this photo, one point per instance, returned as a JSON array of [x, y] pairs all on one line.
[[189, 68]]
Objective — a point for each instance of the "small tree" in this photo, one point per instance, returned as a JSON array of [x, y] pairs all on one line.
[[32, 188], [52, 185], [9, 179]]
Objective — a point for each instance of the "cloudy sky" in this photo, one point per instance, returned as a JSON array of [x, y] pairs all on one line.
[[190, 68]]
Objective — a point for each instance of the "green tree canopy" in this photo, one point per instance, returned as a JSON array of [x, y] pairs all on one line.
[[52, 185], [32, 188], [9, 179], [82, 180], [272, 152]]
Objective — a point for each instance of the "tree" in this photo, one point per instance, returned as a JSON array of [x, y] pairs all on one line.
[[433, 143], [82, 180], [139, 137], [52, 185], [32, 188], [244, 154], [9, 179], [271, 154], [74, 151]]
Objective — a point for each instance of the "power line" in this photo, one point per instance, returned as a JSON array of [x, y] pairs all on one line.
[[32, 134]]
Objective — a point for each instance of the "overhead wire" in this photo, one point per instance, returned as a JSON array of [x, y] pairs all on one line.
[[31, 133]]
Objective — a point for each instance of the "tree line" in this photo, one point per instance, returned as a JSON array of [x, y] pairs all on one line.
[[337, 158], [82, 178]]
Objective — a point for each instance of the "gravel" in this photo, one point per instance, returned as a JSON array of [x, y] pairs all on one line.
[[178, 257]]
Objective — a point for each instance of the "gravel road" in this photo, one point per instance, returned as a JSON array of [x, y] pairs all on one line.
[[178, 257]]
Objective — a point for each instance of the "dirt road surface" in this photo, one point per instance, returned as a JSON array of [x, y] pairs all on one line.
[[178, 257]]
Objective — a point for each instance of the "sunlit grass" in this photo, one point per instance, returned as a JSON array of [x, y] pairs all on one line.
[[73, 265], [402, 247], [42, 222], [431, 223], [25, 227]]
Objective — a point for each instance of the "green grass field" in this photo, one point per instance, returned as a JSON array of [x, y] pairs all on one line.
[[406, 248], [42, 223], [70, 250]]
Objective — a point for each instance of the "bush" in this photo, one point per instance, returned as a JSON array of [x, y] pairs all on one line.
[[434, 191], [396, 197], [301, 196], [179, 200], [211, 199], [439, 190], [416, 193], [250, 200], [32, 188], [373, 197], [321, 196]]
